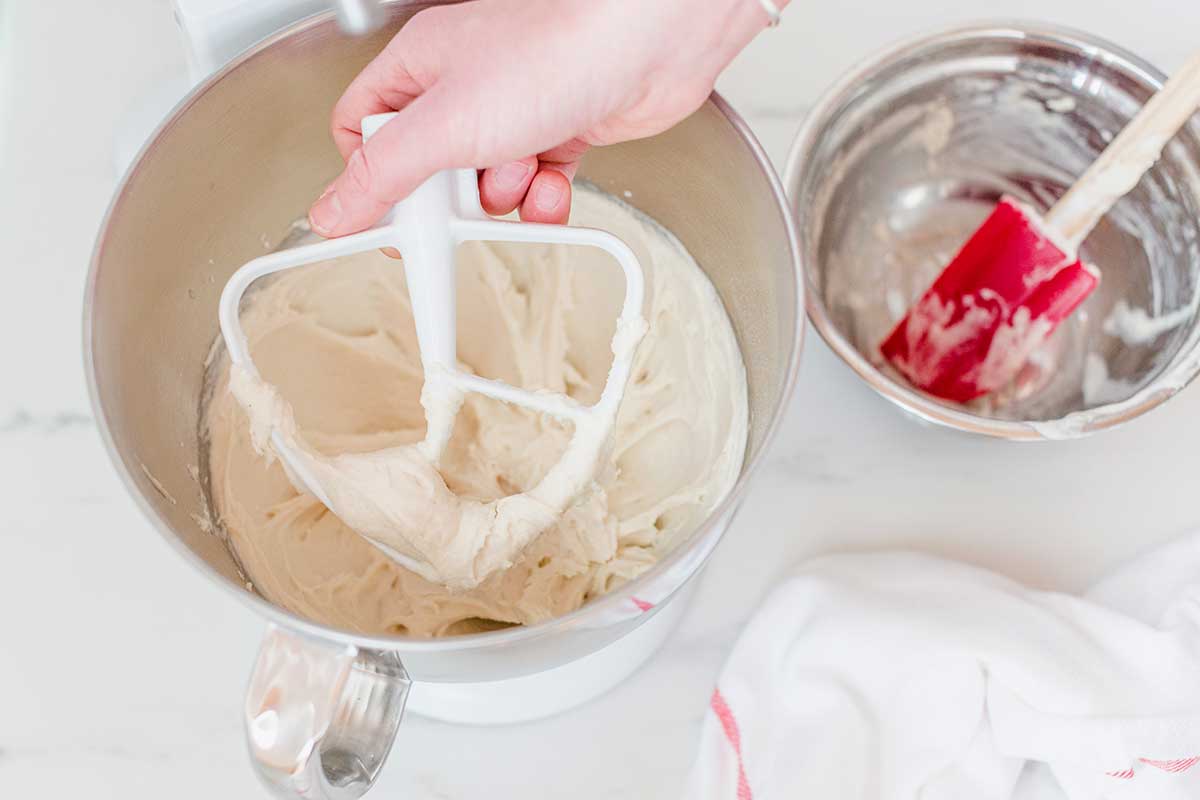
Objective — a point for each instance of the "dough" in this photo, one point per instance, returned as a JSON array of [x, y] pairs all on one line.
[[337, 341]]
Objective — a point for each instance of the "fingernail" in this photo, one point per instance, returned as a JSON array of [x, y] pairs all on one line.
[[512, 175], [547, 195], [326, 213]]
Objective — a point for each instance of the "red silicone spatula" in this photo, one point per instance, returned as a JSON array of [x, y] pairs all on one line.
[[1019, 275]]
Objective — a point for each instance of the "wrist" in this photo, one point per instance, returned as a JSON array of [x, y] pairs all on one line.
[[692, 40], [738, 22]]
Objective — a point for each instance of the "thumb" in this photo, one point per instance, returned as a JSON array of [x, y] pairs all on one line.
[[385, 169]]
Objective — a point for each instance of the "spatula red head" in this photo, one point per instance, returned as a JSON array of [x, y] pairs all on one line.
[[992, 306]]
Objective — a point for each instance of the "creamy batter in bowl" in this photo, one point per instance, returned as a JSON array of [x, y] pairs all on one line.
[[337, 340]]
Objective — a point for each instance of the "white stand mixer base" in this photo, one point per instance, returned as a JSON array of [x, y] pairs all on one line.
[[544, 694]]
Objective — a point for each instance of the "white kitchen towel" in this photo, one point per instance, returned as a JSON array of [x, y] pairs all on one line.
[[895, 676]]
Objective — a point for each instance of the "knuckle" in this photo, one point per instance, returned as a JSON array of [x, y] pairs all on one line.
[[359, 169]]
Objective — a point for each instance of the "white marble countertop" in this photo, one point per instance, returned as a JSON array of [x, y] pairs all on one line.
[[122, 670]]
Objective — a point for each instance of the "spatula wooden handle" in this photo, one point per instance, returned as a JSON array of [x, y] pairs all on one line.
[[1127, 158]]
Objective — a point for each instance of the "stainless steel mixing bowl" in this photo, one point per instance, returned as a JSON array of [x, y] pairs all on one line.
[[223, 178], [907, 154]]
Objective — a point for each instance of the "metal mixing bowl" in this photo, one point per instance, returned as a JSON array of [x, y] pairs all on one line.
[[908, 153]]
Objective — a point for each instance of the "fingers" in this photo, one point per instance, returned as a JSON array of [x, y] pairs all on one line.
[[417, 143], [543, 195], [548, 198], [396, 160], [501, 189]]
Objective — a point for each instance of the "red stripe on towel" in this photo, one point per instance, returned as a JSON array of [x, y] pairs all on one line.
[[1178, 765], [729, 725]]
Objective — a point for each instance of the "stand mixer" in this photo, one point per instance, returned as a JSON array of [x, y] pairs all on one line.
[[227, 173]]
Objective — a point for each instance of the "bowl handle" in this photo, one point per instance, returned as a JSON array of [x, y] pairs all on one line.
[[320, 716]]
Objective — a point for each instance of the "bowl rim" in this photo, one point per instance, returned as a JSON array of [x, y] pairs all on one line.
[[720, 515], [1175, 375]]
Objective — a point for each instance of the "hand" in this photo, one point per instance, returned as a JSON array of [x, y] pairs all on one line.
[[522, 88]]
